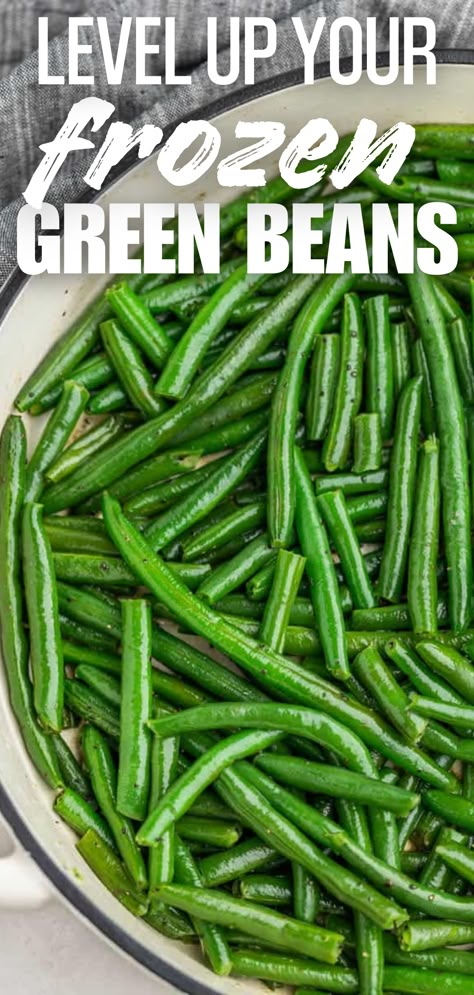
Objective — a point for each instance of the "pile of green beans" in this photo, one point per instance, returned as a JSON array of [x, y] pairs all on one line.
[[239, 563]]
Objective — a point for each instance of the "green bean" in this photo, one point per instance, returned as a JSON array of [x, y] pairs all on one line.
[[111, 398], [58, 429], [81, 539], [78, 814], [320, 567], [401, 356], [234, 572], [164, 761], [453, 171], [212, 538], [423, 553], [374, 674], [363, 507], [14, 641], [352, 483], [104, 782], [211, 936], [134, 377], [261, 923], [91, 373], [461, 716], [209, 321], [226, 476], [379, 386], [166, 493], [209, 387], [427, 934], [289, 569], [104, 683], [153, 471], [333, 509], [83, 634], [436, 873], [338, 783], [64, 356], [328, 833], [73, 775], [367, 443], [441, 138], [133, 783], [263, 888], [440, 960], [460, 343], [401, 493], [451, 665], [460, 812], [139, 324], [105, 864], [284, 678], [322, 385], [172, 924], [93, 440], [93, 707], [188, 289], [203, 772], [417, 189], [83, 568], [213, 833], [338, 441], [222, 416], [284, 970], [420, 676], [251, 855], [42, 605], [454, 468], [285, 404], [420, 365]]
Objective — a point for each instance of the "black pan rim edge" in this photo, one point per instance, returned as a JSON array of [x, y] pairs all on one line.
[[60, 879]]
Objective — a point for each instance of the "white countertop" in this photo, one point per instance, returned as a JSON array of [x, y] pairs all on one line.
[[49, 951]]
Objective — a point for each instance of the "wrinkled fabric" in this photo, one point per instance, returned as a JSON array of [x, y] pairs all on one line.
[[31, 114]]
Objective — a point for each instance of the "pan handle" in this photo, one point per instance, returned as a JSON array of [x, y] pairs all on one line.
[[22, 885]]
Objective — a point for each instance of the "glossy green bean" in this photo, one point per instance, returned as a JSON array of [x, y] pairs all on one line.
[[209, 321], [55, 435], [85, 568], [286, 400], [453, 454], [80, 450], [133, 782], [105, 864], [92, 707], [333, 509], [461, 716], [262, 923], [111, 398], [134, 377], [73, 774], [164, 762], [43, 617], [265, 889], [401, 356], [428, 934], [451, 665], [352, 483], [364, 507], [97, 371], [348, 397], [367, 442], [227, 475], [376, 676], [138, 322], [401, 492], [14, 641], [64, 356], [199, 776], [212, 937], [289, 569], [338, 783], [232, 573], [213, 537], [420, 367], [250, 855], [101, 767], [322, 385], [78, 814], [460, 343], [422, 588], [320, 568], [379, 377], [425, 681]]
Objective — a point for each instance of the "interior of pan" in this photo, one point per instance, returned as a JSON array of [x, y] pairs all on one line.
[[39, 313]]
